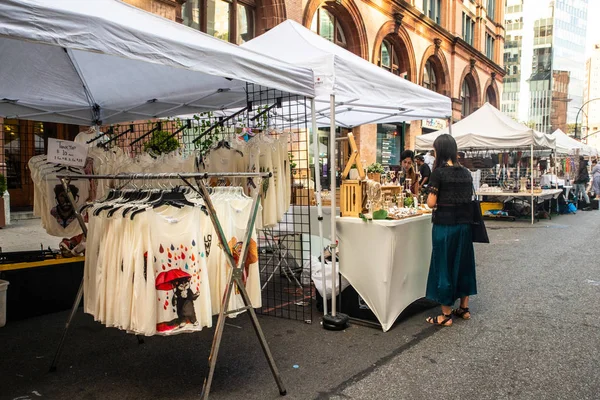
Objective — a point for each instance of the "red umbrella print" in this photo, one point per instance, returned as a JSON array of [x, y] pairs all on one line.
[[168, 279]]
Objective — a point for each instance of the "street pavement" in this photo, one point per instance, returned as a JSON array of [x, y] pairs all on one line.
[[25, 235], [535, 334]]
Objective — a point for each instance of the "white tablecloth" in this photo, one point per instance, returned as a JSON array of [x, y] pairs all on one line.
[[387, 262]]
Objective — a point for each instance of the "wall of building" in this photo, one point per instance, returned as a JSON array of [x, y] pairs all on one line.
[[366, 23], [590, 120]]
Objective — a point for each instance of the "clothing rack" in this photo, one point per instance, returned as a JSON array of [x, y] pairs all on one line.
[[234, 276]]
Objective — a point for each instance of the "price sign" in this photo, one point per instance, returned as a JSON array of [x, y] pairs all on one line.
[[66, 152]]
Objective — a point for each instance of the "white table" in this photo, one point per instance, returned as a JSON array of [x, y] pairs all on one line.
[[535, 198], [387, 262]]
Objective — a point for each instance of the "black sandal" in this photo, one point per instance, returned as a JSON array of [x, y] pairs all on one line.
[[444, 322], [461, 312]]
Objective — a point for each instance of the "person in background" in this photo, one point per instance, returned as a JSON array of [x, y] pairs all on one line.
[[596, 178], [429, 159], [408, 170], [581, 182], [452, 266], [424, 170]]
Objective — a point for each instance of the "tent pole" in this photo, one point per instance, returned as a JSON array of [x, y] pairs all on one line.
[[532, 205], [317, 163], [333, 190], [450, 125]]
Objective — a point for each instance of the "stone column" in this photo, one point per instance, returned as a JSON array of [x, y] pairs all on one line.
[[366, 136]]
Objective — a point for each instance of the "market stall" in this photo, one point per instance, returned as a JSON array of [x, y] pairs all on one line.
[[350, 91], [133, 65], [488, 130]]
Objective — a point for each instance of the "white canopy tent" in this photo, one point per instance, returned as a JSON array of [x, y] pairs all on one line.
[[489, 128], [364, 93], [350, 91], [567, 145], [103, 62]]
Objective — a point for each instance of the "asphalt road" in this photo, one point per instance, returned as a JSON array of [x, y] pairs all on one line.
[[535, 334]]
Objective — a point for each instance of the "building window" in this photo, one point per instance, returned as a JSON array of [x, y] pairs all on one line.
[[388, 58], [490, 97], [429, 78], [327, 26], [491, 9], [468, 30], [433, 9], [489, 46], [232, 21], [465, 96]]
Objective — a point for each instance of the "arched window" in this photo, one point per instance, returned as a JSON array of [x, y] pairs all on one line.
[[490, 96], [429, 77], [388, 58], [465, 96], [326, 25], [232, 21]]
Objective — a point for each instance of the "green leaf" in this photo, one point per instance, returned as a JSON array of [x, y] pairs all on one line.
[[380, 214]]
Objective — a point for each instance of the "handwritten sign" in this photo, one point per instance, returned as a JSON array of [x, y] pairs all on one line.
[[66, 153]]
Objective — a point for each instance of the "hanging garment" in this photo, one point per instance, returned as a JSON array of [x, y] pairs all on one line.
[[181, 279]]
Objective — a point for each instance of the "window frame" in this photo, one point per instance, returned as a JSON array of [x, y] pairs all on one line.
[[491, 9], [394, 67], [468, 29], [429, 71], [433, 10], [465, 96], [233, 5], [337, 27]]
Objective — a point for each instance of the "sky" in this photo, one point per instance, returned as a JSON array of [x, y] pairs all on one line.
[[593, 34]]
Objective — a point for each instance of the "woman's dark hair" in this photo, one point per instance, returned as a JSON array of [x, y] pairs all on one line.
[[594, 161], [445, 150], [407, 154]]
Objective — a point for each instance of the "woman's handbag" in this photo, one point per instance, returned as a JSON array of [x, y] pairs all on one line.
[[478, 226]]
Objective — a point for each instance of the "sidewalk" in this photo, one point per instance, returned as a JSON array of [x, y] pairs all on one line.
[[28, 234]]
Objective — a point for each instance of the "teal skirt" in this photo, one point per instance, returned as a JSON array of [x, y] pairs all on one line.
[[452, 267]]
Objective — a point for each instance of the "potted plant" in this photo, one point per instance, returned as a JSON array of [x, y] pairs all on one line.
[[353, 175], [2, 207], [374, 172]]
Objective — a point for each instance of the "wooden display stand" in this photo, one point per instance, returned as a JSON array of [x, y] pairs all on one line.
[[352, 193]]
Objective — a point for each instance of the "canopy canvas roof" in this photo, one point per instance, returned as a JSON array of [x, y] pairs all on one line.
[[567, 145], [489, 128], [103, 61], [364, 93]]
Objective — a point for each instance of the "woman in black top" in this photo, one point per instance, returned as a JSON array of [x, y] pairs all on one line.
[[452, 267]]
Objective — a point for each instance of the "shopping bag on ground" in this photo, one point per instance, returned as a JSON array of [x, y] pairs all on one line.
[[318, 278]]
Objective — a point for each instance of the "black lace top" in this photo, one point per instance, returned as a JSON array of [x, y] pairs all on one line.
[[453, 186]]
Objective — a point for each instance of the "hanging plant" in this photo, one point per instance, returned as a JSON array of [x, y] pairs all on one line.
[[2, 185], [293, 164], [161, 143]]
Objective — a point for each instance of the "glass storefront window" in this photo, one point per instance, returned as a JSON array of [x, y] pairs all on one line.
[[389, 144], [12, 153]]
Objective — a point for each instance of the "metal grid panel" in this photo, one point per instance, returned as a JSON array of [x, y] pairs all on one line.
[[284, 250]]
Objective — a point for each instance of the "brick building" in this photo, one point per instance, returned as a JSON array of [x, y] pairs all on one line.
[[454, 47]]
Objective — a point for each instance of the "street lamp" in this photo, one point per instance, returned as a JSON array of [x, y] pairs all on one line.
[[581, 108]]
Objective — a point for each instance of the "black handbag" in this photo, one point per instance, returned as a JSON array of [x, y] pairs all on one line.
[[478, 226]]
